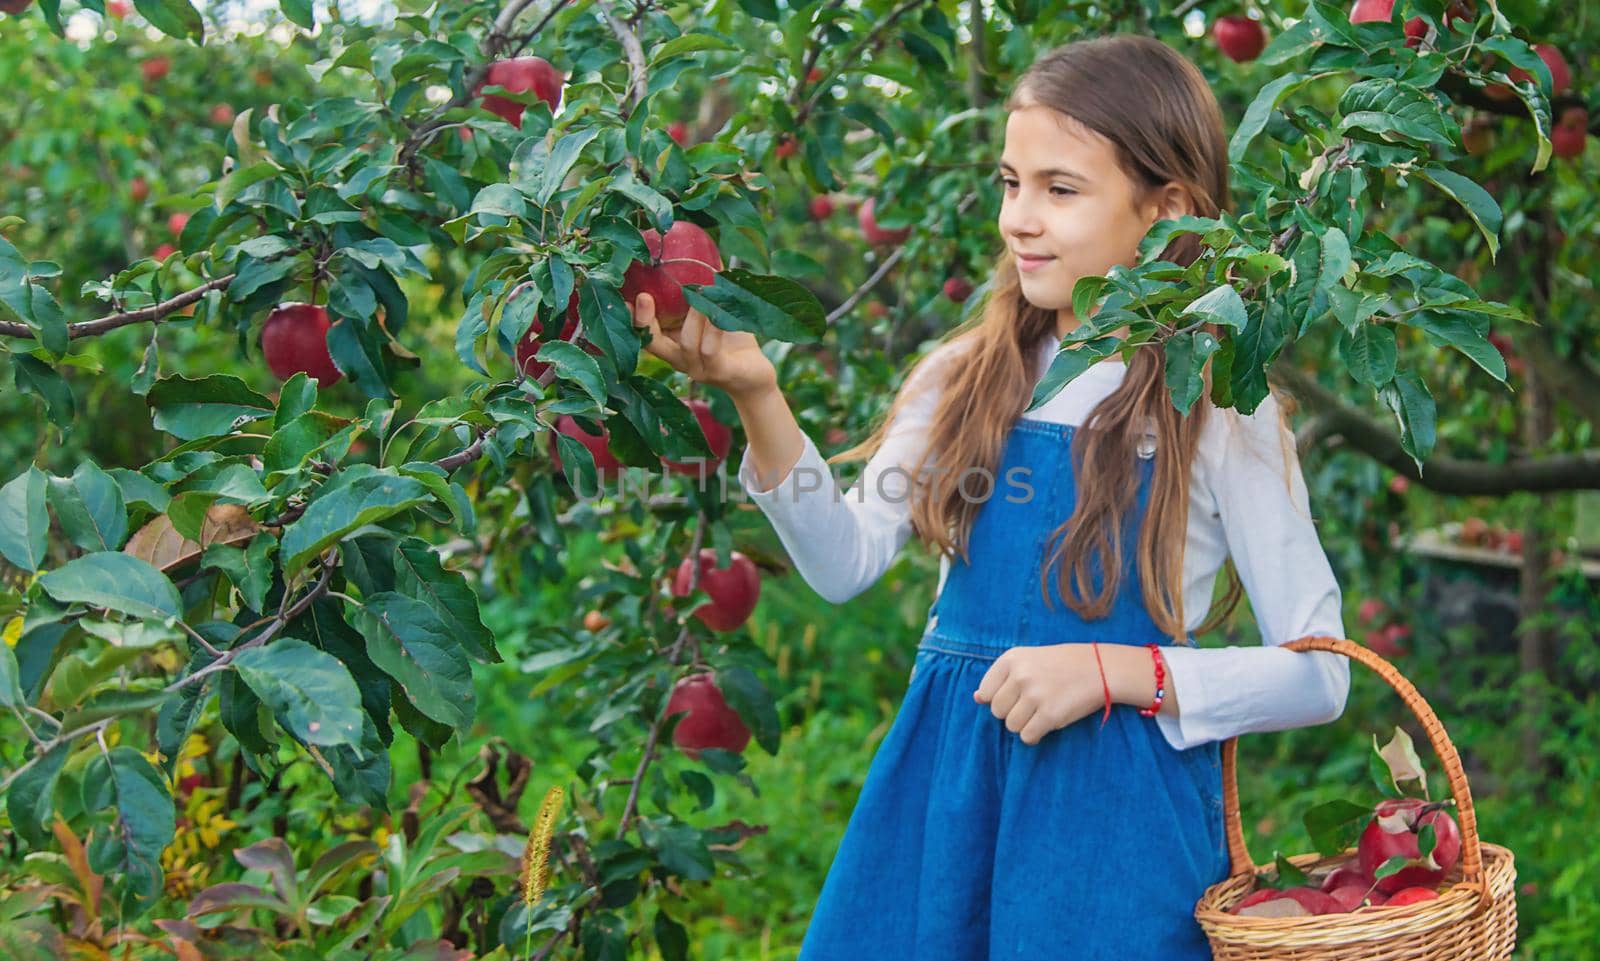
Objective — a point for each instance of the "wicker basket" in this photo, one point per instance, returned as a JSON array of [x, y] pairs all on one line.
[[1475, 918]]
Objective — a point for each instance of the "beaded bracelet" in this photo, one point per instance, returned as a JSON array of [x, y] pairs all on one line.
[[1161, 677]]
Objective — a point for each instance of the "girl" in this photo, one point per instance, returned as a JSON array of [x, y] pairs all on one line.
[[1001, 817]]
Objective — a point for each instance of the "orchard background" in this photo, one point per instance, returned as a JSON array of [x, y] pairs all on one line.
[[357, 669]]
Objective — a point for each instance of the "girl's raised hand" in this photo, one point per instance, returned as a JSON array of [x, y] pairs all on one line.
[[729, 359]]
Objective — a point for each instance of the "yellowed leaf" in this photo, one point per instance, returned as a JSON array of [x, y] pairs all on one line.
[[159, 543]]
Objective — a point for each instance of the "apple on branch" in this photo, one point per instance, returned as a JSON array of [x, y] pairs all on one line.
[[1240, 39], [710, 722], [294, 340], [733, 590], [519, 75], [685, 255]]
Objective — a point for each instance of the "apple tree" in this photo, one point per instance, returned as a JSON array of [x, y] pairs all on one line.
[[389, 363]]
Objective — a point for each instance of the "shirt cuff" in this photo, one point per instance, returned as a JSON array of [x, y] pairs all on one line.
[[1186, 674]]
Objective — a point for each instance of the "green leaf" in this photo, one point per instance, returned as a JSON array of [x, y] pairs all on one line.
[[750, 698], [24, 522], [1396, 111], [248, 568], [501, 200], [1408, 397], [420, 576], [34, 376], [1260, 110], [1336, 826], [573, 363], [1476, 201], [1392, 866], [208, 407], [89, 506], [1186, 355], [10, 679], [681, 849], [1221, 306], [175, 18], [298, 12], [114, 580], [1370, 353], [232, 186], [356, 496], [309, 691], [1068, 363], [657, 206], [123, 779], [413, 645], [31, 797], [773, 308], [1400, 757]]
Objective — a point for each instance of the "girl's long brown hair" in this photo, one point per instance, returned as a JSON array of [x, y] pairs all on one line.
[[1156, 108]]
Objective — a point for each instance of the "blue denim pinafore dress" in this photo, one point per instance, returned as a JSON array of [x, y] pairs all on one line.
[[966, 843]]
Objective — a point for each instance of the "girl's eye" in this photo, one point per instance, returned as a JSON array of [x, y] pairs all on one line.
[[1010, 184]]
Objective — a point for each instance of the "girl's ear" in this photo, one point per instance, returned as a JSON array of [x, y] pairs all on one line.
[[1169, 202]]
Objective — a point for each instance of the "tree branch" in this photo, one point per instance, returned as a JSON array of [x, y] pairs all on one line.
[[155, 312], [1442, 474], [637, 86]]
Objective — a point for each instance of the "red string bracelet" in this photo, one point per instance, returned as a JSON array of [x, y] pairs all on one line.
[[1107, 714], [1161, 677]]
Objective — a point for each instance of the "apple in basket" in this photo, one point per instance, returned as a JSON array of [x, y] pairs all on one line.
[[1394, 837]]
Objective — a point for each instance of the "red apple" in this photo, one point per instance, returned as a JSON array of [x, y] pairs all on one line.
[[1256, 897], [835, 436], [1349, 896], [1239, 38], [155, 68], [1392, 832], [1399, 484], [1367, 10], [710, 723], [139, 190], [957, 289], [519, 75], [1415, 30], [678, 131], [1560, 73], [177, 222], [1568, 142], [717, 434], [607, 467], [686, 255], [1411, 896], [877, 310], [1514, 542], [875, 234], [295, 340], [222, 114], [118, 9], [814, 75], [821, 207], [733, 590], [788, 146], [163, 252], [1315, 901], [1345, 877], [594, 622]]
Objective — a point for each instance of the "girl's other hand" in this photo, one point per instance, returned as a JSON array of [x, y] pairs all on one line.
[[729, 359]]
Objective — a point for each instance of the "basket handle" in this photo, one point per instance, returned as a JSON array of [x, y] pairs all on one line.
[[1471, 852]]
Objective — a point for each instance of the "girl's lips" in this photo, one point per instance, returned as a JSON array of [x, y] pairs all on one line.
[[1032, 263]]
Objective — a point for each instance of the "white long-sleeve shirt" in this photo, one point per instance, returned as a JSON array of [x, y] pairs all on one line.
[[1247, 499]]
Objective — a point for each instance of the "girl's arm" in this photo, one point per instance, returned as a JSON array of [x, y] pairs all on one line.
[[1264, 510], [840, 543]]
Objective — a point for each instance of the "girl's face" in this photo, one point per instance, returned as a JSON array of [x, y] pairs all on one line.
[[1067, 200]]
